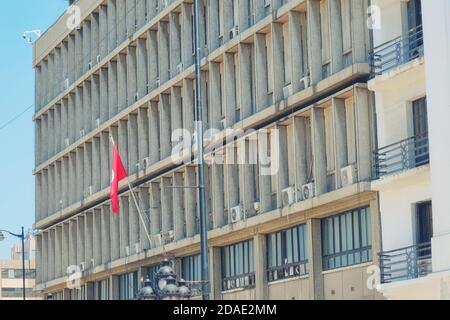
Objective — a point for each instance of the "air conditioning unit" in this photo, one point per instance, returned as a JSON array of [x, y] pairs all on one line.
[[67, 142], [89, 65], [254, 209], [82, 266], [92, 263], [234, 31], [136, 96], [97, 123], [288, 196], [348, 175], [99, 58], [82, 133], [66, 84], [157, 241], [180, 67], [137, 247], [305, 81], [127, 251], [308, 191], [169, 236], [287, 91], [223, 124], [157, 82], [266, 3], [146, 162], [237, 214]]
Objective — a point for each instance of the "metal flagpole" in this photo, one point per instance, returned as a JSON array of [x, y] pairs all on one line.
[[134, 199], [139, 210], [201, 168]]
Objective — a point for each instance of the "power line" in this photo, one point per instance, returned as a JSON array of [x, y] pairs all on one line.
[[3, 126]]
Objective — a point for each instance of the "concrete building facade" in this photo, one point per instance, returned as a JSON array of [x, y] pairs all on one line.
[[11, 281], [297, 69], [410, 84]]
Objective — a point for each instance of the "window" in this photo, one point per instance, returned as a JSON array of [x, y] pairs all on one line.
[[191, 272], [17, 274], [237, 266], [287, 253], [191, 268], [14, 292], [424, 222], [420, 124], [101, 290], [128, 286], [346, 239]]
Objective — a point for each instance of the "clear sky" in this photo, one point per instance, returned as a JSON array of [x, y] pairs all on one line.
[[16, 94]]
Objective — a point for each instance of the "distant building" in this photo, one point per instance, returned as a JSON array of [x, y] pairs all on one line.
[[11, 273]]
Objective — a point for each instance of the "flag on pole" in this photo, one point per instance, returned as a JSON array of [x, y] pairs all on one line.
[[118, 174]]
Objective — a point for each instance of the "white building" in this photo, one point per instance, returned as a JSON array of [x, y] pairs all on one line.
[[411, 81]]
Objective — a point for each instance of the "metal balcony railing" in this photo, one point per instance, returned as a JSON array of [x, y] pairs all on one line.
[[287, 271], [397, 51], [406, 263], [240, 281], [403, 155]]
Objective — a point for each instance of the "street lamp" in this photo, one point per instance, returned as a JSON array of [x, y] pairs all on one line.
[[166, 288], [22, 237]]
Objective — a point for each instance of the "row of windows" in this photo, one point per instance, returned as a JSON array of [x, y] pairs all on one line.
[[128, 286], [17, 274], [14, 292]]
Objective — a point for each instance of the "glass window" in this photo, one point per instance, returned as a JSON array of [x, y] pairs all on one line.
[[287, 253], [346, 239], [128, 286], [237, 266]]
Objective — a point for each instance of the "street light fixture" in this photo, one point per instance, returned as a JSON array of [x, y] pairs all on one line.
[[22, 237], [167, 287]]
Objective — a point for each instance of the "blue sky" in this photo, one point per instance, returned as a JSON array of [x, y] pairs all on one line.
[[16, 94]]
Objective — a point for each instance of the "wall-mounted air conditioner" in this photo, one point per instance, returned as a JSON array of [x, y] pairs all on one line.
[[127, 251], [287, 91], [237, 214], [146, 162], [89, 65], [137, 247], [308, 191], [180, 67], [82, 266], [234, 31], [348, 175], [99, 58], [288, 196], [305, 82]]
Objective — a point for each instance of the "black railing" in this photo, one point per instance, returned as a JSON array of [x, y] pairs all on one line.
[[403, 155], [406, 263], [237, 282], [397, 51], [287, 271]]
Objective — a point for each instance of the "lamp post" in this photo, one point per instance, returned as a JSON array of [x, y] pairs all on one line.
[[22, 237], [166, 287]]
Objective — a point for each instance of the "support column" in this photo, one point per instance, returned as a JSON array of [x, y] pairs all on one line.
[[175, 42], [163, 52], [166, 205], [319, 150], [103, 30], [363, 114], [154, 131], [178, 206], [115, 236], [260, 263], [133, 142], [316, 285], [230, 92], [121, 21], [152, 59], [142, 72], [106, 234], [165, 124], [88, 240], [110, 87], [122, 85], [80, 240], [314, 40], [125, 227], [186, 34], [278, 63], [340, 129], [144, 204], [155, 211], [215, 273], [97, 234], [95, 101], [131, 77], [336, 35]]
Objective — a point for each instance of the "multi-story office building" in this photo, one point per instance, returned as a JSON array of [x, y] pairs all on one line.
[[411, 80], [11, 279], [298, 68]]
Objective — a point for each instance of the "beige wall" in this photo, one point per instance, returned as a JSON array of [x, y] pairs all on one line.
[[239, 294], [348, 284], [291, 289]]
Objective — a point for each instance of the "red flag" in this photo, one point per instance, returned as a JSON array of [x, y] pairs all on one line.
[[118, 173]]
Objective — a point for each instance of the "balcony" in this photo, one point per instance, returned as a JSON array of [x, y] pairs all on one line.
[[397, 51], [406, 263], [287, 271], [400, 156]]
